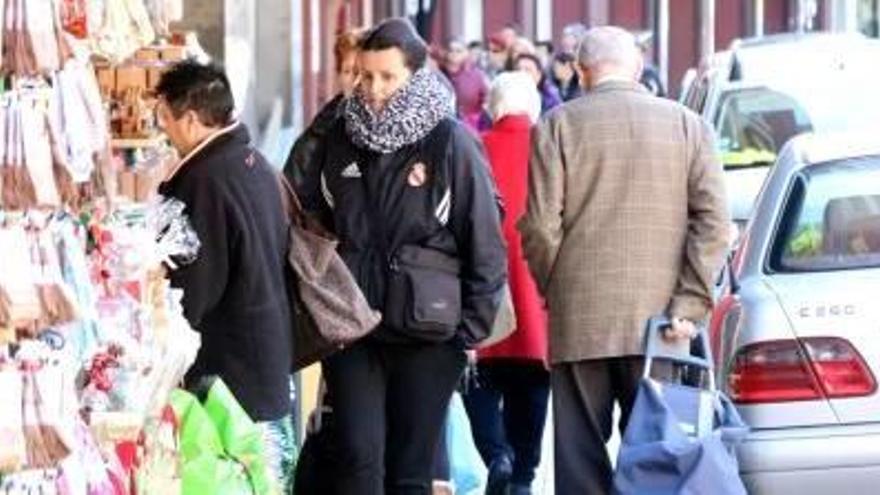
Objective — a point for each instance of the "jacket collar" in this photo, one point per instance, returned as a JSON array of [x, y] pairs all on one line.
[[512, 123], [608, 85], [233, 130]]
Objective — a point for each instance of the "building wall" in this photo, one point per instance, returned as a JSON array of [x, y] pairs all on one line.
[[683, 40], [567, 12], [730, 22], [776, 16], [630, 14], [497, 13]]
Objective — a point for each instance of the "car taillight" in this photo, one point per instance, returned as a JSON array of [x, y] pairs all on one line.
[[795, 370], [773, 371], [841, 370]]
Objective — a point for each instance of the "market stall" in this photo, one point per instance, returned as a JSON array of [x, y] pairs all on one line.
[[93, 342]]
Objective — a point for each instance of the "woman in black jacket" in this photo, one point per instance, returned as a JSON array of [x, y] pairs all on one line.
[[413, 206], [303, 164]]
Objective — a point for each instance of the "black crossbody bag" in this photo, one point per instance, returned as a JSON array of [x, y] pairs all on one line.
[[423, 298]]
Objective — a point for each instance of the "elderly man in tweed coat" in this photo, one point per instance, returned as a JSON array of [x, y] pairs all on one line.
[[626, 219]]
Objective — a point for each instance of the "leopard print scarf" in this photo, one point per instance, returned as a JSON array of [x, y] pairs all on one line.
[[407, 118]]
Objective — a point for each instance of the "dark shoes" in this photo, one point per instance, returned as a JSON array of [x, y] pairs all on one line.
[[499, 483], [500, 472]]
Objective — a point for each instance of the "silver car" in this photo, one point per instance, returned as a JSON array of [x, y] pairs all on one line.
[[797, 331], [763, 91]]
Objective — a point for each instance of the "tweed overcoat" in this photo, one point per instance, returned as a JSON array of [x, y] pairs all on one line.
[[626, 218]]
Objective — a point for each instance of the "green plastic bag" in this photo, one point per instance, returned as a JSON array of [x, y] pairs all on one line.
[[242, 439], [221, 448]]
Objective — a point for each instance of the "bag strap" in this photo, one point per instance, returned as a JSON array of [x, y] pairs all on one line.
[[295, 212]]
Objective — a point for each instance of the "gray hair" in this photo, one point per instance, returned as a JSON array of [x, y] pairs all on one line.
[[514, 93], [610, 50]]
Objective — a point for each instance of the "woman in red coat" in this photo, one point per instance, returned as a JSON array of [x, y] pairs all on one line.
[[508, 406]]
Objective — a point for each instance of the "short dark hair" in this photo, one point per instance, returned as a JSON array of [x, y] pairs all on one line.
[[202, 88], [564, 58], [398, 33]]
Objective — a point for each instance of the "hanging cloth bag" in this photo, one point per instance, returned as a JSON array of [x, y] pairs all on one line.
[[42, 36], [329, 310], [680, 439], [18, 190], [38, 151]]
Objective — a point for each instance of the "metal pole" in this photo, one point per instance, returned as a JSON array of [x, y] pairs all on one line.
[[758, 18], [800, 15], [661, 40], [707, 29]]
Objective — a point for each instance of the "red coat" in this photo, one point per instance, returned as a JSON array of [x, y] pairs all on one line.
[[507, 146]]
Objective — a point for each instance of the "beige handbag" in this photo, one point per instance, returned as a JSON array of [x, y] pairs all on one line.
[[329, 310]]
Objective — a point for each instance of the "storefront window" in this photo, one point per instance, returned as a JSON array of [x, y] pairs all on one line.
[[868, 13]]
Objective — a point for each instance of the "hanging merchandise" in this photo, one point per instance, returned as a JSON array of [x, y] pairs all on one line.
[[17, 58], [126, 28], [109, 349], [40, 28], [78, 119], [18, 279], [53, 139], [13, 455], [33, 172], [74, 17], [49, 408], [18, 189], [37, 148], [2, 33], [163, 13], [32, 38], [95, 13]]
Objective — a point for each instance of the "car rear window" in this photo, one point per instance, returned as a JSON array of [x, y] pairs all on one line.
[[754, 123], [832, 218]]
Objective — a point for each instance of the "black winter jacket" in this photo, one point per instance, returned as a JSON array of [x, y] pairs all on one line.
[[303, 167], [234, 293], [379, 202]]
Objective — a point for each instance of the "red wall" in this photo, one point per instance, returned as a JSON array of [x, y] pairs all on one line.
[[566, 12], [497, 13], [630, 14], [683, 39], [730, 22], [775, 16]]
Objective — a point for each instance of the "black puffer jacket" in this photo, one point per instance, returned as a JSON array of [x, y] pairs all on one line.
[[437, 193]]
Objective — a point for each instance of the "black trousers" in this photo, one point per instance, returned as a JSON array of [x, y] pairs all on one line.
[[584, 394], [389, 404], [508, 409]]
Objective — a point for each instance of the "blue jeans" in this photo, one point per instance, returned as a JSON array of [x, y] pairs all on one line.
[[508, 409]]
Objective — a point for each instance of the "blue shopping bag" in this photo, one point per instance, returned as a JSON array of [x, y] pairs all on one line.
[[680, 439], [468, 471]]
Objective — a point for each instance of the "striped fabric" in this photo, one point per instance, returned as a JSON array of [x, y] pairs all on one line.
[[279, 447]]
